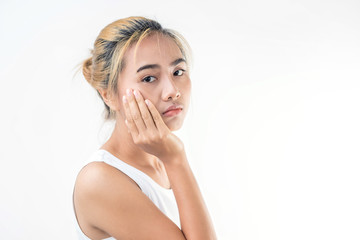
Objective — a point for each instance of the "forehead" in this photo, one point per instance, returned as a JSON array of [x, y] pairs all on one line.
[[154, 49]]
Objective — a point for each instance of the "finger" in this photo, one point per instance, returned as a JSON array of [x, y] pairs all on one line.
[[145, 112], [130, 123], [159, 122], [135, 112]]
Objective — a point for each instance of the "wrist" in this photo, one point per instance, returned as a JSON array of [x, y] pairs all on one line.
[[174, 160]]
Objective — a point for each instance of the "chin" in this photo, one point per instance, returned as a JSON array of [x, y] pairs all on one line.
[[174, 125], [175, 129]]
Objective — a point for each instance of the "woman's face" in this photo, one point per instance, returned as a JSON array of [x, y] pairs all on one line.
[[158, 71]]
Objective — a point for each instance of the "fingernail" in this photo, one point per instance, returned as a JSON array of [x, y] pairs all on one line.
[[124, 99], [136, 94], [128, 91]]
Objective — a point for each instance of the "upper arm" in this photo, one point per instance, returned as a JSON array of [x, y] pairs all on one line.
[[108, 200]]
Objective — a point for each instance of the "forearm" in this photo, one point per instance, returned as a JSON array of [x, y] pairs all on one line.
[[195, 219]]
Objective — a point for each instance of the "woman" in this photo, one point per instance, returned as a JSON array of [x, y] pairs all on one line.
[[139, 184]]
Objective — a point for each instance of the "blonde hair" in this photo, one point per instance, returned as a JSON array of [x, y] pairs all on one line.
[[101, 70]]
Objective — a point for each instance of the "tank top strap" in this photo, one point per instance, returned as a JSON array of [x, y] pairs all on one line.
[[129, 170]]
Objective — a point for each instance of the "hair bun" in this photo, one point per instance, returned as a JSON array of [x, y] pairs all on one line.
[[86, 70]]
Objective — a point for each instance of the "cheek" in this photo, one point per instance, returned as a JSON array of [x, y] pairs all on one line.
[[122, 90], [146, 94], [187, 87]]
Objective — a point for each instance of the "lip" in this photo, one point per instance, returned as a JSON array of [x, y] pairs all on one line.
[[173, 112], [173, 107]]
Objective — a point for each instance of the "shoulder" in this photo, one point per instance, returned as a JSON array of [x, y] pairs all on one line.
[[97, 185], [94, 172], [98, 177], [107, 203], [98, 189]]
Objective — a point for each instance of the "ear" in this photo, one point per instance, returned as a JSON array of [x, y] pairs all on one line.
[[106, 98]]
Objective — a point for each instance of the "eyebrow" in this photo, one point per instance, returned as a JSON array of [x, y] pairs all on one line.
[[174, 63]]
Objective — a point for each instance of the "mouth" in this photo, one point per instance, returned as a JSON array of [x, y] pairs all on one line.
[[172, 112], [173, 107]]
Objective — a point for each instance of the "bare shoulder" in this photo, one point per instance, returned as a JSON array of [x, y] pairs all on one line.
[[96, 183], [91, 172], [108, 203], [99, 177]]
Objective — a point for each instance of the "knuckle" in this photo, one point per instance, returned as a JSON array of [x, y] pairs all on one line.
[[156, 118], [154, 138], [146, 116], [146, 140], [164, 136], [161, 135], [136, 116], [136, 140]]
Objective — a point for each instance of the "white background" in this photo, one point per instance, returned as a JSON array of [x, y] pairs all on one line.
[[272, 134]]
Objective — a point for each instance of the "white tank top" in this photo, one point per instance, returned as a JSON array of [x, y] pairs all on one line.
[[162, 197]]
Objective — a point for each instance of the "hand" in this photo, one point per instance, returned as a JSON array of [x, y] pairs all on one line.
[[148, 129]]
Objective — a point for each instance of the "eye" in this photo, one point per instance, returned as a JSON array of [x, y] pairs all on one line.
[[148, 79], [179, 72]]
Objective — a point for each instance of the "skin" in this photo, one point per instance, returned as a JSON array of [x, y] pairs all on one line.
[[160, 86], [108, 202]]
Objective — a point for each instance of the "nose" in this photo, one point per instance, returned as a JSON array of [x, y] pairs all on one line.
[[170, 91]]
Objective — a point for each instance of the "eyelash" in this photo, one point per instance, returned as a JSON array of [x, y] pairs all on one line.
[[183, 71]]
